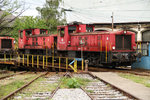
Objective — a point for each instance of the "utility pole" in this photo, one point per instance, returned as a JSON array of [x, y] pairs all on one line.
[[112, 17]]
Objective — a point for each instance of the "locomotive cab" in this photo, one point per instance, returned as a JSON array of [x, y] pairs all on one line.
[[65, 32], [6, 44]]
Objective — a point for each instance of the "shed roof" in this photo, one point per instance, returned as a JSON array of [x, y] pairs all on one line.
[[100, 11]]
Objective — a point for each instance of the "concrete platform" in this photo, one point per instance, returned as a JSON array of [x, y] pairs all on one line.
[[136, 89]]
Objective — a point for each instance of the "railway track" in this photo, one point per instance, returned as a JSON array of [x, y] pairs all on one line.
[[3, 71], [7, 75], [98, 89], [9, 86], [40, 88], [47, 86]]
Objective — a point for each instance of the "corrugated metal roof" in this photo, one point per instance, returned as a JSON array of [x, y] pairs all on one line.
[[100, 11]]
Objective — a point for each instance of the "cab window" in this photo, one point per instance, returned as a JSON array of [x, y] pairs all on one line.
[[21, 34], [28, 32], [42, 31], [71, 29], [89, 28], [62, 32]]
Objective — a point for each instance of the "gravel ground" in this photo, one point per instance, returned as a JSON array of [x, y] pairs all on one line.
[[71, 94], [86, 76], [14, 78], [100, 90]]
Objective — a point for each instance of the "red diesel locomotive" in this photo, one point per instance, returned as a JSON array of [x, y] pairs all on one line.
[[35, 41], [80, 40]]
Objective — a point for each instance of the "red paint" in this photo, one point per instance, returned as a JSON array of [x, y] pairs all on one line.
[[92, 40], [9, 38], [35, 40]]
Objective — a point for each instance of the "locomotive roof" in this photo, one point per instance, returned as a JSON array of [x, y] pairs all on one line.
[[42, 35], [99, 32], [73, 24], [33, 28], [88, 33], [5, 35]]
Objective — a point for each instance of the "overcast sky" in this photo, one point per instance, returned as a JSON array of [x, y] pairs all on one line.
[[31, 5], [99, 11]]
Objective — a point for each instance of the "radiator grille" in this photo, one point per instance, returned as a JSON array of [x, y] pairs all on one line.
[[6, 43], [123, 42]]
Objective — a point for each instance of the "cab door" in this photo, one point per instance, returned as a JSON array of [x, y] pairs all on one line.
[[22, 39], [62, 38]]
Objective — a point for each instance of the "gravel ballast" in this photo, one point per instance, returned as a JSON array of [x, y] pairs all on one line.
[[71, 94]]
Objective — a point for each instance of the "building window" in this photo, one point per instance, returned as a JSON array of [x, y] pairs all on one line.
[[144, 49]]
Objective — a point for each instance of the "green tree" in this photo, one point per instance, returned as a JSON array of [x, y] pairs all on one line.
[[27, 22], [52, 14], [7, 10]]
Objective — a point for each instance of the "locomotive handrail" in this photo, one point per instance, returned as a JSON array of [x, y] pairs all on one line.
[[106, 52]]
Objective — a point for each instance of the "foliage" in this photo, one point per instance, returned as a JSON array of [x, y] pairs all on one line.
[[52, 13], [7, 10], [74, 82], [27, 22], [6, 89]]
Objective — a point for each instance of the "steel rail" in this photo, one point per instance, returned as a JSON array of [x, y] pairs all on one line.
[[3, 71], [83, 88], [58, 86], [24, 86], [12, 75], [69, 75]]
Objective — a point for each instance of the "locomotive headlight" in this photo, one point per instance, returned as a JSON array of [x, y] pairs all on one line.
[[125, 32], [113, 47], [14, 41]]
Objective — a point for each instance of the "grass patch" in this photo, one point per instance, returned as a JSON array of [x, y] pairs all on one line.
[[40, 86], [6, 89], [90, 91], [73, 82], [145, 80]]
